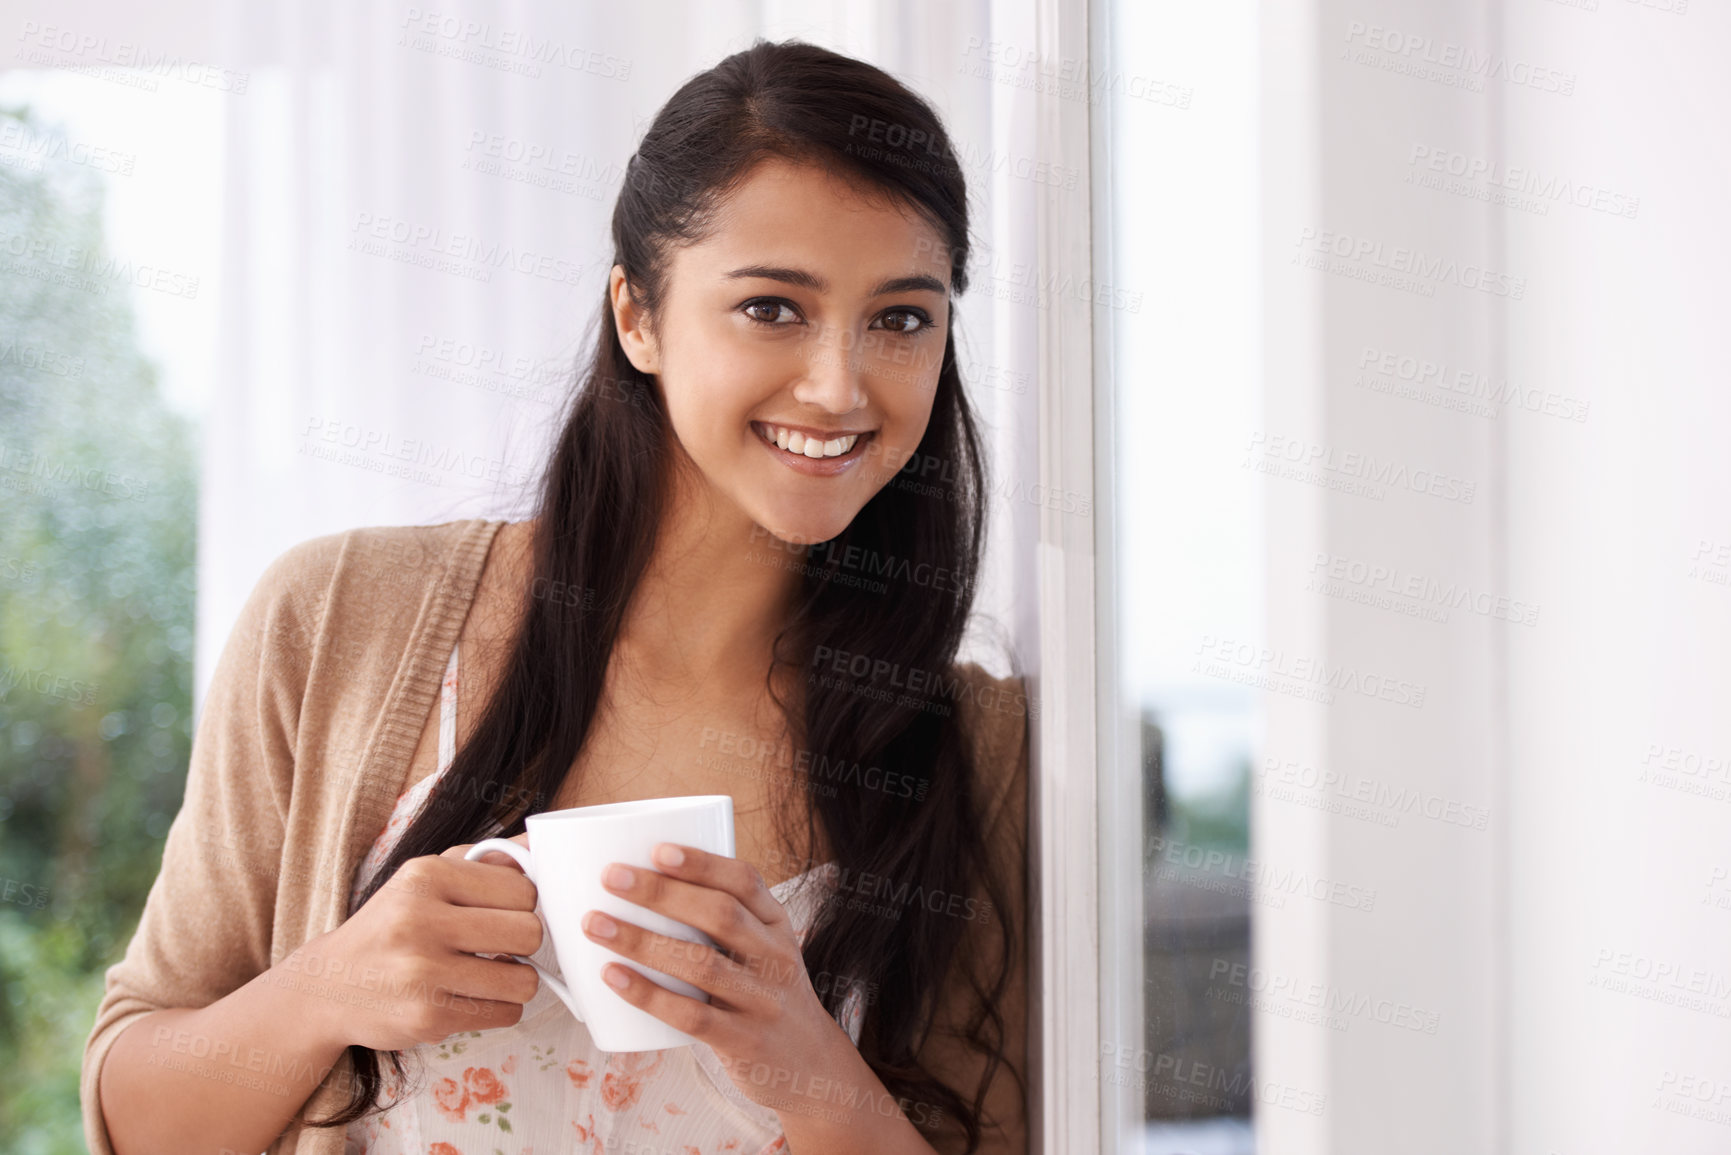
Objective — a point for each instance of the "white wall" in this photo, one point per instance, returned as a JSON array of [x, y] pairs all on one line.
[[1525, 939], [1619, 862]]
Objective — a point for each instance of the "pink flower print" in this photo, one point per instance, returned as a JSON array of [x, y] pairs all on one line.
[[482, 1085], [509, 1066], [443, 1149], [579, 1073], [588, 1134], [451, 1099], [623, 1083], [619, 1091]]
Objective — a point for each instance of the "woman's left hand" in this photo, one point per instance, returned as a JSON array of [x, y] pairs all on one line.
[[763, 1019]]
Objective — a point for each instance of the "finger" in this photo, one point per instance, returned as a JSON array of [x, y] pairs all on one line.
[[481, 1015], [465, 979], [733, 876], [704, 1022], [461, 883], [710, 971], [720, 896], [716, 913], [485, 930]]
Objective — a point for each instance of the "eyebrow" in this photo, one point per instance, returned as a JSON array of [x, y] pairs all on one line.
[[918, 282]]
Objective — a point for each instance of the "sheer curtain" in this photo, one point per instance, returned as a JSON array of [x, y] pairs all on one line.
[[416, 244]]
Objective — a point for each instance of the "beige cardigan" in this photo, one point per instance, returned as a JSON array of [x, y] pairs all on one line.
[[314, 711]]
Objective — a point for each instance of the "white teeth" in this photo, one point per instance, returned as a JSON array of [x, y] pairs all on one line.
[[796, 442]]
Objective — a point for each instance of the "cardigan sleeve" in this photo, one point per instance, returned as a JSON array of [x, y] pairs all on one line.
[[207, 922], [995, 715]]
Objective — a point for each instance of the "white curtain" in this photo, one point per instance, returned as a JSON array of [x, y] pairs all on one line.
[[377, 367]]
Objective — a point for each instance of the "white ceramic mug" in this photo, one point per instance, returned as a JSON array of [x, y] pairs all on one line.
[[568, 850]]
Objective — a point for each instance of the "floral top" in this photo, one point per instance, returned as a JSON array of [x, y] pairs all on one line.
[[541, 1085]]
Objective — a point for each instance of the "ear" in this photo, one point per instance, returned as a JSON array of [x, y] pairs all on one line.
[[630, 321]]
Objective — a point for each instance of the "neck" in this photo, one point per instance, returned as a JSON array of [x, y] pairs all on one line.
[[717, 590]]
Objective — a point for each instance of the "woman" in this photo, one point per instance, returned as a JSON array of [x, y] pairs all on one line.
[[748, 573]]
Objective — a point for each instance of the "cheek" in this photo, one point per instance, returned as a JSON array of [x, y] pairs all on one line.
[[910, 367], [711, 391], [906, 397]]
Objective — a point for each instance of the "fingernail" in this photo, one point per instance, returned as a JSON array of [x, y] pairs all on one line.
[[618, 877], [599, 925], [616, 977], [669, 855]]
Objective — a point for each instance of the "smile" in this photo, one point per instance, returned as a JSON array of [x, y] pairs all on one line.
[[811, 453]]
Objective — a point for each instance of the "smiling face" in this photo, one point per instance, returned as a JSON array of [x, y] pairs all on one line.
[[798, 347]]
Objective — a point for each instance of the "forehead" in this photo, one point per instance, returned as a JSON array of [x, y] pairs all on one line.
[[796, 214]]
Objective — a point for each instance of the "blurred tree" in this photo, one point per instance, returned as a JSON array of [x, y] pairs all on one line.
[[98, 519]]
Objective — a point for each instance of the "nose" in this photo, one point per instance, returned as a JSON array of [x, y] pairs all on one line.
[[834, 380]]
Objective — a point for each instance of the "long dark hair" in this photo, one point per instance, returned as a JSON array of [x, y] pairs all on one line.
[[600, 503]]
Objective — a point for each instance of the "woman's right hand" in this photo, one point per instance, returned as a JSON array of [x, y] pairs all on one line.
[[403, 969]]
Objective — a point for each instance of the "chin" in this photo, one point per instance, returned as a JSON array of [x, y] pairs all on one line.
[[806, 529]]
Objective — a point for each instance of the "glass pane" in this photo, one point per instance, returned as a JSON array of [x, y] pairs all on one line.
[[1178, 92]]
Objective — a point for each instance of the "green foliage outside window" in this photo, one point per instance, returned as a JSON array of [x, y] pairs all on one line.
[[98, 521]]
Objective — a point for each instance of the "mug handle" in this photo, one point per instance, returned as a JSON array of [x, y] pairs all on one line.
[[520, 854]]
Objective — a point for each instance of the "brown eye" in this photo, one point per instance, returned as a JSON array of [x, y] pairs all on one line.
[[766, 312], [910, 320]]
